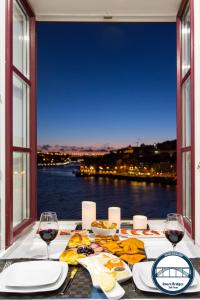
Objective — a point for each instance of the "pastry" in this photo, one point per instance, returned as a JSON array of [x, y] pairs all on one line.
[[70, 256], [78, 240]]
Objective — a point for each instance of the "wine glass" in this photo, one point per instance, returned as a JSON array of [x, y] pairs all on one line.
[[48, 228], [174, 228]]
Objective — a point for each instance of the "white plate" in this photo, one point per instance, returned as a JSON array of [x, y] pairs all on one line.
[[94, 267], [116, 293], [37, 289], [92, 263], [143, 287], [32, 273], [145, 274]]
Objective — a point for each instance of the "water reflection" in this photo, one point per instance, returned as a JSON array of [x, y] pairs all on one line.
[[61, 191]]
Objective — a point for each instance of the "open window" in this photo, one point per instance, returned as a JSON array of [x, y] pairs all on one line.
[[20, 210], [20, 118], [185, 114]]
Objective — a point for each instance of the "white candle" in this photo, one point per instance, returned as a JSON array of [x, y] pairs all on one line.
[[139, 222], [88, 214], [114, 215]]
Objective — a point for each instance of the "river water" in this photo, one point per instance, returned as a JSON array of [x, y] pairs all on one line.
[[61, 191]]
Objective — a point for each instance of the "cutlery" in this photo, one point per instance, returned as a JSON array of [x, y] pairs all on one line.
[[68, 283], [134, 288]]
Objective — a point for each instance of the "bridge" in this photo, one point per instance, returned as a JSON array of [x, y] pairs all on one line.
[[173, 272]]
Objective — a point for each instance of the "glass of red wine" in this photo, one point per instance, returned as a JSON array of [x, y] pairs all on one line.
[[48, 228], [174, 229]]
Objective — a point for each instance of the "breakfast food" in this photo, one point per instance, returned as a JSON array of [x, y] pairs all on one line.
[[130, 250], [132, 243], [104, 225], [103, 239], [70, 256], [132, 259], [106, 281], [78, 240], [114, 263], [87, 250]]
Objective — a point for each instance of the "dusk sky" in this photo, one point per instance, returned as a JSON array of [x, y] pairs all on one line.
[[106, 83]]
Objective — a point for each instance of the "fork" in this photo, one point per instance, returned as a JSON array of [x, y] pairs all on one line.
[[134, 288], [7, 264]]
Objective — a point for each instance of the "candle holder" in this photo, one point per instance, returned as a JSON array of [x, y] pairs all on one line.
[[88, 214], [114, 215], [139, 222]]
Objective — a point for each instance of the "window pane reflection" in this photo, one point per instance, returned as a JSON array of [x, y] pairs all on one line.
[[186, 114], [186, 189], [20, 113], [20, 187], [185, 35], [20, 39]]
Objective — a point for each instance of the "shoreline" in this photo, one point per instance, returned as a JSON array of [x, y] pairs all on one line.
[[155, 179]]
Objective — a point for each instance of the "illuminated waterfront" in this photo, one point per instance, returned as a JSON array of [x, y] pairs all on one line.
[[60, 190]]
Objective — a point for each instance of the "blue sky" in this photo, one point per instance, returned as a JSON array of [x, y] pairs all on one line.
[[106, 83]]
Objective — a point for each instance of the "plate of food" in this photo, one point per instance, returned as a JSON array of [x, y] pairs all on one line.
[[104, 228], [147, 233], [79, 246], [130, 250], [107, 271]]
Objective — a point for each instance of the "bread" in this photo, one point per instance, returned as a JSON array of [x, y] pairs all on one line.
[[104, 225], [70, 256], [78, 240]]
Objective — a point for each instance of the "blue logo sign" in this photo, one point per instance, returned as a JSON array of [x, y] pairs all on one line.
[[172, 273]]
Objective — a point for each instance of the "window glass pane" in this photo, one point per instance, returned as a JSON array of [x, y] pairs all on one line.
[[20, 113], [185, 31], [186, 188], [20, 187], [186, 114], [20, 39]]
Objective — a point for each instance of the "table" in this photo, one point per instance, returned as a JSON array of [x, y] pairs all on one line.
[[82, 287]]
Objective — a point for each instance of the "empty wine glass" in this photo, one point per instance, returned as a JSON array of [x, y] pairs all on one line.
[[174, 228], [48, 228]]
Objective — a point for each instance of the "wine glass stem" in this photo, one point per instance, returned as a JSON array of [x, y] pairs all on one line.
[[48, 244], [174, 246]]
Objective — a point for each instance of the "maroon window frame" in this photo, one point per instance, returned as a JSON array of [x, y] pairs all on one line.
[[190, 226], [12, 233]]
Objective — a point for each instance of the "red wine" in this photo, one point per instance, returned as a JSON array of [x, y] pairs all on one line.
[[48, 235], [174, 236]]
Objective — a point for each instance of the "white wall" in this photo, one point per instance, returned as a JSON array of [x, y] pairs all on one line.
[[197, 115], [2, 123]]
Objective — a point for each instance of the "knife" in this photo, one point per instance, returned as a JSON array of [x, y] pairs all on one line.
[[68, 283]]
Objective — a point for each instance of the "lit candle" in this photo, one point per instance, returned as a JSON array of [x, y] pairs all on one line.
[[88, 214], [139, 222], [114, 215]]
